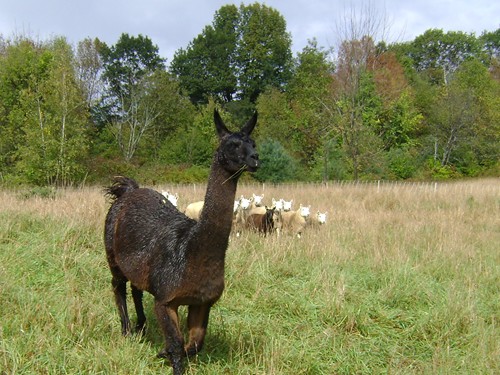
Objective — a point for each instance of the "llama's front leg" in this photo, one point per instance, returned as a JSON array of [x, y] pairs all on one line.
[[120, 291], [139, 308], [197, 325], [168, 320]]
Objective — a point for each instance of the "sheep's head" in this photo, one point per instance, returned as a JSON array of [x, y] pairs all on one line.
[[245, 203], [321, 216], [287, 205], [278, 204], [305, 211], [237, 151], [257, 200], [173, 198]]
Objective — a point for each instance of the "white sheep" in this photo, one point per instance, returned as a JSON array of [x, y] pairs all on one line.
[[287, 205], [295, 221], [241, 215], [193, 210], [317, 220], [257, 200], [278, 204], [173, 198]]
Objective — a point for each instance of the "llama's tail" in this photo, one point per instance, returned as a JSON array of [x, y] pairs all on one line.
[[120, 186]]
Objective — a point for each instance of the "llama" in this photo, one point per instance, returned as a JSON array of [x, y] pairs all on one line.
[[178, 260], [262, 223]]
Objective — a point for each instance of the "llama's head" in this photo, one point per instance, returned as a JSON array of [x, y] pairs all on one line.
[[237, 151]]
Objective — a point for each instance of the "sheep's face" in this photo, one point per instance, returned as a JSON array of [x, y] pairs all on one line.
[[171, 197], [321, 216], [237, 151], [245, 203], [287, 205], [278, 204], [257, 200], [305, 211]]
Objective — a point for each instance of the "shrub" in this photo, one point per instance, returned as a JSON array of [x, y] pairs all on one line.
[[276, 164]]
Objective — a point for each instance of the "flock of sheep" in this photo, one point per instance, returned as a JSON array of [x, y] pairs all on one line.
[[251, 213]]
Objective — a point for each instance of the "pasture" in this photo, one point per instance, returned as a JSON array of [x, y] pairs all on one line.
[[402, 279]]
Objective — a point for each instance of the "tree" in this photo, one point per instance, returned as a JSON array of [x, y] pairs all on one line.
[[89, 67], [440, 54], [264, 56], [465, 119], [244, 51], [129, 68], [276, 164], [206, 68], [51, 116]]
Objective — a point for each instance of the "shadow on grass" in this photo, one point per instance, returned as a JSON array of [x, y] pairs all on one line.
[[217, 348]]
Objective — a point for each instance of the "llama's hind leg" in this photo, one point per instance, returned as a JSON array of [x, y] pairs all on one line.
[[139, 308], [168, 320], [197, 325], [120, 291]]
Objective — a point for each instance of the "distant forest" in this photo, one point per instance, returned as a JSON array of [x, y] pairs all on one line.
[[420, 110]]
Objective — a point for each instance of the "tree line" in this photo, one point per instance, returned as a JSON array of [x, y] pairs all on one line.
[[423, 109]]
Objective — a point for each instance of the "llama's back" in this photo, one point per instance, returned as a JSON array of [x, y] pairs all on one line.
[[143, 228]]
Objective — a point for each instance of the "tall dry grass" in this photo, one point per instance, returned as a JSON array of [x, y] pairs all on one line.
[[402, 279]]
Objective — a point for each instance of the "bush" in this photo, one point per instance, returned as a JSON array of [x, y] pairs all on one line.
[[276, 164]]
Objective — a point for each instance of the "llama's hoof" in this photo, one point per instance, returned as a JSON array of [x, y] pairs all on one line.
[[140, 330], [163, 354], [191, 352]]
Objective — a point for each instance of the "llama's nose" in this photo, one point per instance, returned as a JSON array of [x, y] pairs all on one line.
[[254, 158]]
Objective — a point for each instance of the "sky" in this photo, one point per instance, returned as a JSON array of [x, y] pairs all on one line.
[[172, 24]]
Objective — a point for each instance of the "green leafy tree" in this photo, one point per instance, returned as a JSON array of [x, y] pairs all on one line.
[[244, 51], [440, 54], [130, 111], [466, 128], [206, 68], [52, 115], [264, 55], [276, 163]]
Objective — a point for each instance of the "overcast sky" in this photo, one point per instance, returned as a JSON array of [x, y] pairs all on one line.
[[172, 24]]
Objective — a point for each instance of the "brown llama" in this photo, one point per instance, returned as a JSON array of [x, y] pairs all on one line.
[[178, 260]]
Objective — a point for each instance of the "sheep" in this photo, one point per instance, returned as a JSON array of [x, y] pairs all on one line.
[[287, 205], [295, 221], [278, 204], [241, 214], [257, 200], [178, 260], [173, 198], [193, 210], [262, 223], [321, 217]]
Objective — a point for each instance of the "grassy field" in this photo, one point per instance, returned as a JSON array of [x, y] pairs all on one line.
[[403, 279]]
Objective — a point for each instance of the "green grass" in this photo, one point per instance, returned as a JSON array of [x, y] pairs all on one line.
[[400, 281]]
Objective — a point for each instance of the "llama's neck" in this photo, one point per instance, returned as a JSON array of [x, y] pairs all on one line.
[[217, 214]]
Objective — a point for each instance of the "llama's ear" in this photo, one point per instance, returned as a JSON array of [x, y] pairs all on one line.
[[219, 125], [248, 127]]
